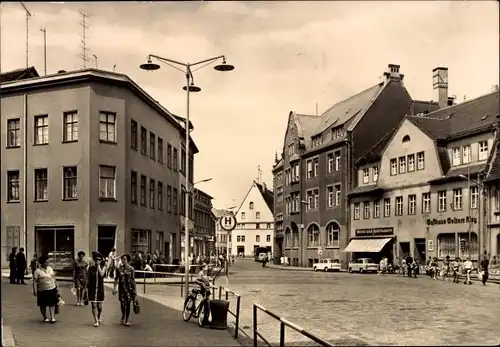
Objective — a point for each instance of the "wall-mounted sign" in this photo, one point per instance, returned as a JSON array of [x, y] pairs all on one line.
[[374, 232], [430, 245], [451, 220]]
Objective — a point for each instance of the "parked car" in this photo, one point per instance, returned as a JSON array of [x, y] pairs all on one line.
[[260, 257], [327, 265], [362, 265]]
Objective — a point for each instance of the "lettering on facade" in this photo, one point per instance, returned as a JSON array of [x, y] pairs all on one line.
[[451, 220], [374, 231]]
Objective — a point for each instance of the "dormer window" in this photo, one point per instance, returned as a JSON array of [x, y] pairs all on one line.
[[456, 156], [291, 149], [406, 138], [375, 173], [250, 205], [366, 175], [466, 154], [483, 150]]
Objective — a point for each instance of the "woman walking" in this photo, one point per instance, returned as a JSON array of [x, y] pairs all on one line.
[[80, 276], [125, 281], [45, 290], [96, 286]]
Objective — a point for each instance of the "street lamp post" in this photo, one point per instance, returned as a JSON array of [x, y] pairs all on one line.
[[188, 88]]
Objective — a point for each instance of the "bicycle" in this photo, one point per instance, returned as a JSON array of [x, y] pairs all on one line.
[[200, 311]]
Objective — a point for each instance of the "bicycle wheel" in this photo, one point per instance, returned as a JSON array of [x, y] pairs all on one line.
[[201, 315], [187, 312]]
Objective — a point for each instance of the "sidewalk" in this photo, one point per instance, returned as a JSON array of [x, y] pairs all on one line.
[[157, 325]]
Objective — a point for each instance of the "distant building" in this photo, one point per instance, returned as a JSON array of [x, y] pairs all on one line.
[[255, 223], [103, 166], [204, 225], [492, 182], [221, 236]]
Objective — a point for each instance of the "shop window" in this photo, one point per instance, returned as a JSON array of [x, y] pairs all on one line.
[[471, 246], [446, 245], [58, 243], [141, 240]]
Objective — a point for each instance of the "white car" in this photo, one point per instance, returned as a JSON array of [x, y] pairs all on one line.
[[327, 265], [362, 265]]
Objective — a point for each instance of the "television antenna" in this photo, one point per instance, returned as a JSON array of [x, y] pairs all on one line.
[[28, 15], [84, 54]]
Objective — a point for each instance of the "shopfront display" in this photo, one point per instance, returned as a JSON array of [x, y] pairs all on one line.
[[58, 243], [373, 243]]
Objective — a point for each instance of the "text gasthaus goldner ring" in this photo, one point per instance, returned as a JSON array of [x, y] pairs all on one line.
[[228, 222]]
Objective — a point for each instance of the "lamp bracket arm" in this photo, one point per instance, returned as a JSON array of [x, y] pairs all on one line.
[[208, 60], [166, 60]]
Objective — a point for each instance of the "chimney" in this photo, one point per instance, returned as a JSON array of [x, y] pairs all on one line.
[[440, 84], [392, 73], [264, 186]]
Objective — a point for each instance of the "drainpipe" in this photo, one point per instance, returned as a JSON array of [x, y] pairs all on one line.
[[25, 175]]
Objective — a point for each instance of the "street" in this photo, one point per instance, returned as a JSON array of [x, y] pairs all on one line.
[[156, 325]]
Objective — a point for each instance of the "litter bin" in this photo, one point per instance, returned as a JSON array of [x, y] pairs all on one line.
[[218, 309]]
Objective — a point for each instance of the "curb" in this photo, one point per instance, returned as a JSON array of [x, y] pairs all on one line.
[[8, 337]]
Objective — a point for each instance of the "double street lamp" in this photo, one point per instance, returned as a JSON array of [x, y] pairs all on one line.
[[186, 69]]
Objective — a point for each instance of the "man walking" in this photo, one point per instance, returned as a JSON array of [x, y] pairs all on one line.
[[484, 268], [21, 266]]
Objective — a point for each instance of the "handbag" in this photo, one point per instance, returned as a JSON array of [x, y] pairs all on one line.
[[85, 297], [137, 307]]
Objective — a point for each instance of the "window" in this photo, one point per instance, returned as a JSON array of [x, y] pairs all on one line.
[[160, 196], [387, 207], [152, 145], [257, 238], [269, 226], [70, 131], [366, 210], [402, 165], [316, 166], [483, 150], [420, 160], [238, 238], [474, 197], [376, 209], [107, 182], [356, 210], [41, 185], [250, 205], [337, 161], [14, 132], [406, 138], [288, 238], [411, 162], [144, 141], [442, 201], [332, 235], [399, 206], [312, 168], [183, 161], [133, 134], [143, 190], [13, 186], [133, 187], [316, 198], [70, 186], [257, 215], [268, 238], [169, 198], [296, 173], [257, 226], [169, 156], [394, 167], [242, 238], [446, 245], [375, 173], [412, 204], [107, 127], [457, 199], [313, 236], [466, 154], [295, 240], [426, 202], [338, 194], [330, 196], [330, 162], [291, 149], [456, 156], [175, 201], [175, 160], [242, 215], [41, 130], [366, 175], [310, 200]]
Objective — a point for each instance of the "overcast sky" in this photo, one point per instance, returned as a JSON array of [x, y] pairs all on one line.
[[288, 56]]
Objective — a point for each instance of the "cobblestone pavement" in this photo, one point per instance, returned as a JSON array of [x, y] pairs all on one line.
[[350, 309], [156, 325]]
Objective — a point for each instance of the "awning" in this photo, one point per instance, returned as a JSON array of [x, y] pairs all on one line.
[[367, 245]]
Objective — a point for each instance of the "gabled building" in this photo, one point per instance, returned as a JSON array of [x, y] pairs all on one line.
[[254, 231], [420, 189], [316, 168]]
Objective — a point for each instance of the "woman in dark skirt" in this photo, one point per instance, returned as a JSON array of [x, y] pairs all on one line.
[[45, 289], [125, 283], [96, 286], [80, 277]]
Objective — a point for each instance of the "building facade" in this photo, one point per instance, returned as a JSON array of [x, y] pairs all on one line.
[[421, 191], [492, 186], [204, 224], [89, 161], [316, 168], [254, 231], [222, 237]]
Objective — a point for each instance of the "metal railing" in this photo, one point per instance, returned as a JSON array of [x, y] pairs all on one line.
[[236, 313], [283, 324]]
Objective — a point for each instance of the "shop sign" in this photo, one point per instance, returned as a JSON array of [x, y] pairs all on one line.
[[374, 232], [430, 245], [451, 220]]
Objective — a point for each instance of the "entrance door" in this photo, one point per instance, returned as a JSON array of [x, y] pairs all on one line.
[[420, 250], [405, 249], [240, 250], [167, 252], [105, 238]]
